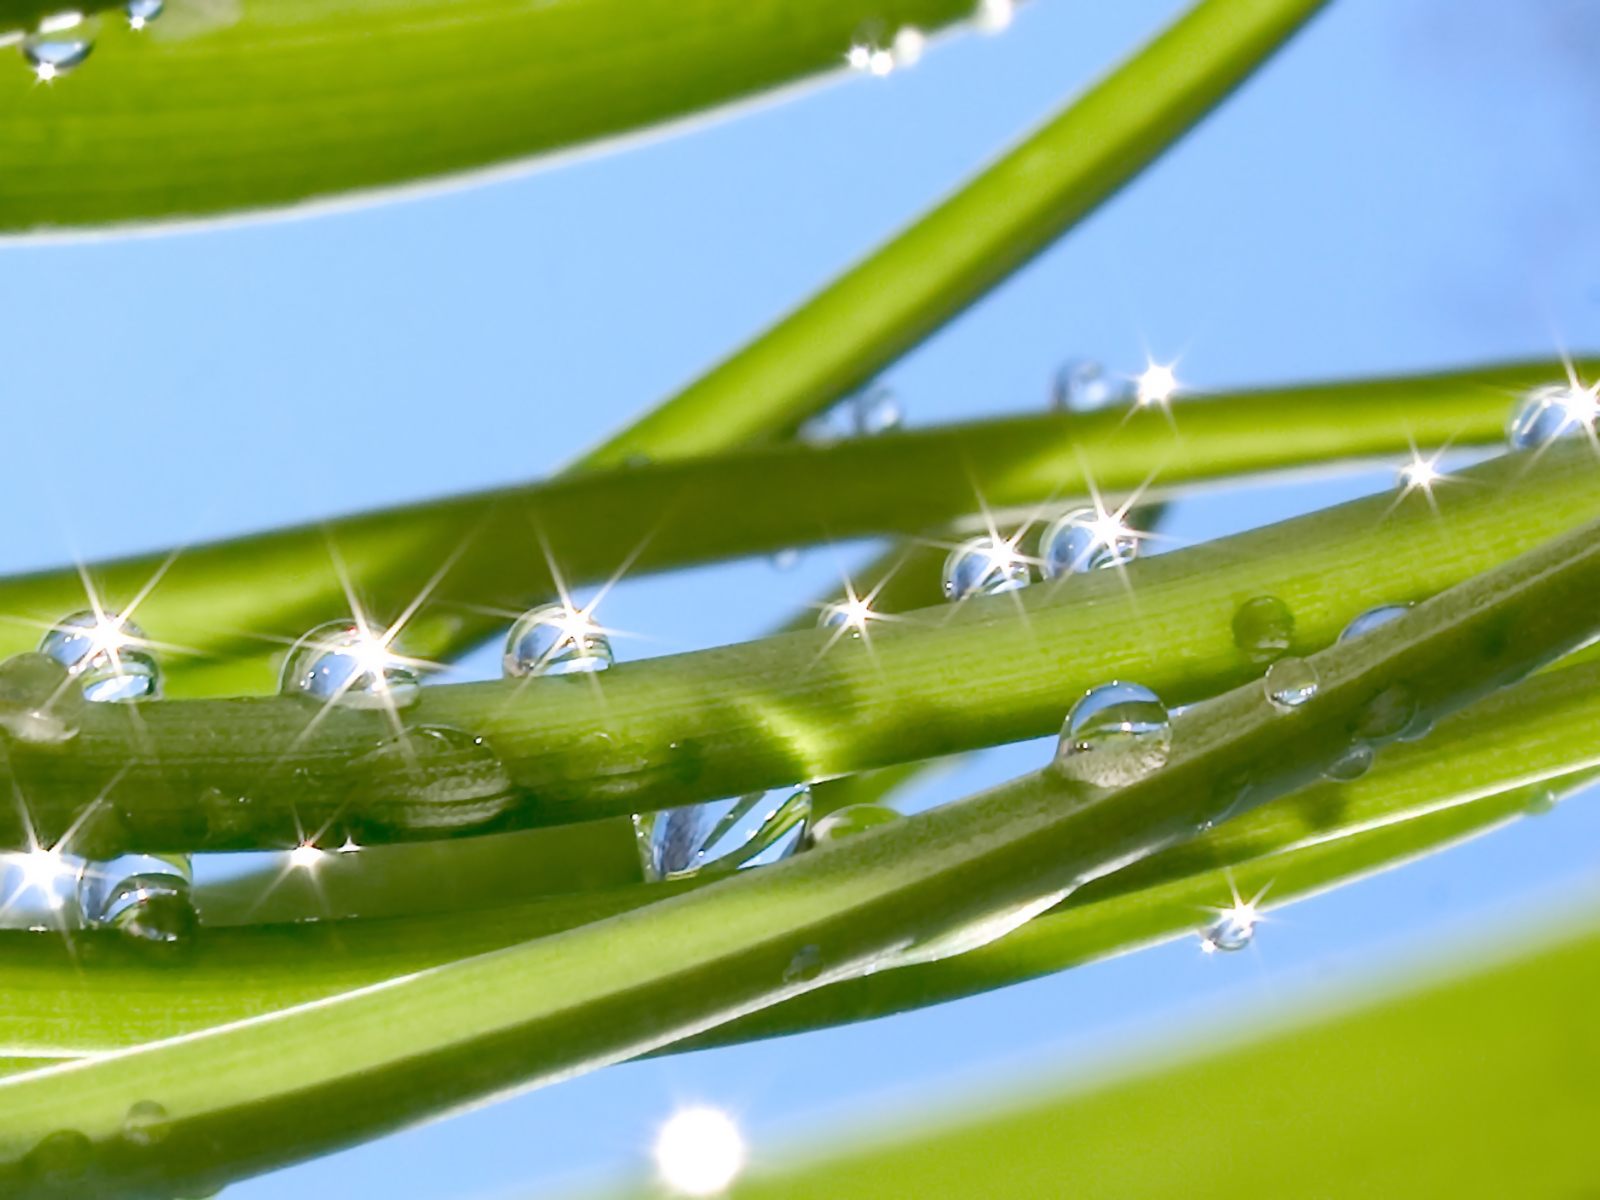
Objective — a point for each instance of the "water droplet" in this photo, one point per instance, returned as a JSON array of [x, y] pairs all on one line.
[[555, 640], [1548, 412], [1083, 385], [992, 16], [142, 12], [1116, 734], [723, 835], [145, 1123], [805, 966], [1388, 714], [850, 820], [1541, 801], [145, 897], [60, 43], [1233, 930], [343, 663], [1351, 764], [1263, 628], [1372, 619], [1290, 682], [874, 409], [60, 1160], [432, 777], [908, 46], [107, 655], [1085, 540], [40, 701], [982, 566], [786, 559]]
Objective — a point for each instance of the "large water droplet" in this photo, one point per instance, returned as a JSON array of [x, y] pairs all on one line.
[[142, 12], [145, 1123], [1232, 930], [40, 701], [1263, 628], [850, 820], [1372, 619], [59, 43], [723, 835], [1351, 764], [1551, 411], [145, 897], [108, 656], [982, 566], [1083, 385], [555, 640], [343, 663], [1085, 540], [1116, 734], [1290, 682], [433, 778]]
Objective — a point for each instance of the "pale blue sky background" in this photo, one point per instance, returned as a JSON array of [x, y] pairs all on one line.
[[1409, 186]]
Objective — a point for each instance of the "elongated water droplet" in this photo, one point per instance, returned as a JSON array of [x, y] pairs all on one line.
[[1290, 682], [60, 43], [723, 835], [1116, 734], [430, 778], [1085, 540], [1351, 764], [142, 12], [1083, 385], [108, 656], [983, 566], [145, 897], [1372, 619], [805, 966], [145, 1123], [344, 663], [40, 701], [1263, 628], [555, 640], [1548, 412], [852, 819], [1232, 930]]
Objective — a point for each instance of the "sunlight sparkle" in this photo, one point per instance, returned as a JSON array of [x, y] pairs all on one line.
[[699, 1152]]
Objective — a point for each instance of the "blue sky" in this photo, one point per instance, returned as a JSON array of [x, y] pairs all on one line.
[[1408, 186]]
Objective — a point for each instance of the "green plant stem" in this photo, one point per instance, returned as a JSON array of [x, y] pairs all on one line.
[[787, 709], [976, 238], [256, 1094]]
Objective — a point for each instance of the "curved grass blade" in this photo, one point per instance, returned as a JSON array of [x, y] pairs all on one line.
[[245, 1097]]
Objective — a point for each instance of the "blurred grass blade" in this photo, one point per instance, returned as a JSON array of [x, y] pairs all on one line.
[[245, 1097], [788, 709], [219, 107], [743, 502], [1474, 1085], [954, 254]]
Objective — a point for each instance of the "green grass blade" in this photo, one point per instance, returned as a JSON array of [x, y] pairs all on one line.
[[221, 108], [786, 709], [972, 241], [249, 1096]]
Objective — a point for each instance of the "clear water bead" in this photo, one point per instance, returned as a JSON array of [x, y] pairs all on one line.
[[555, 640], [59, 43], [1263, 628], [1233, 930], [1085, 540], [1372, 619], [1548, 412], [874, 409], [145, 897], [145, 1123], [1083, 385], [40, 701], [982, 566], [722, 835], [1290, 682], [1116, 734], [142, 12], [342, 663], [108, 656], [848, 821], [430, 778], [1352, 764]]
